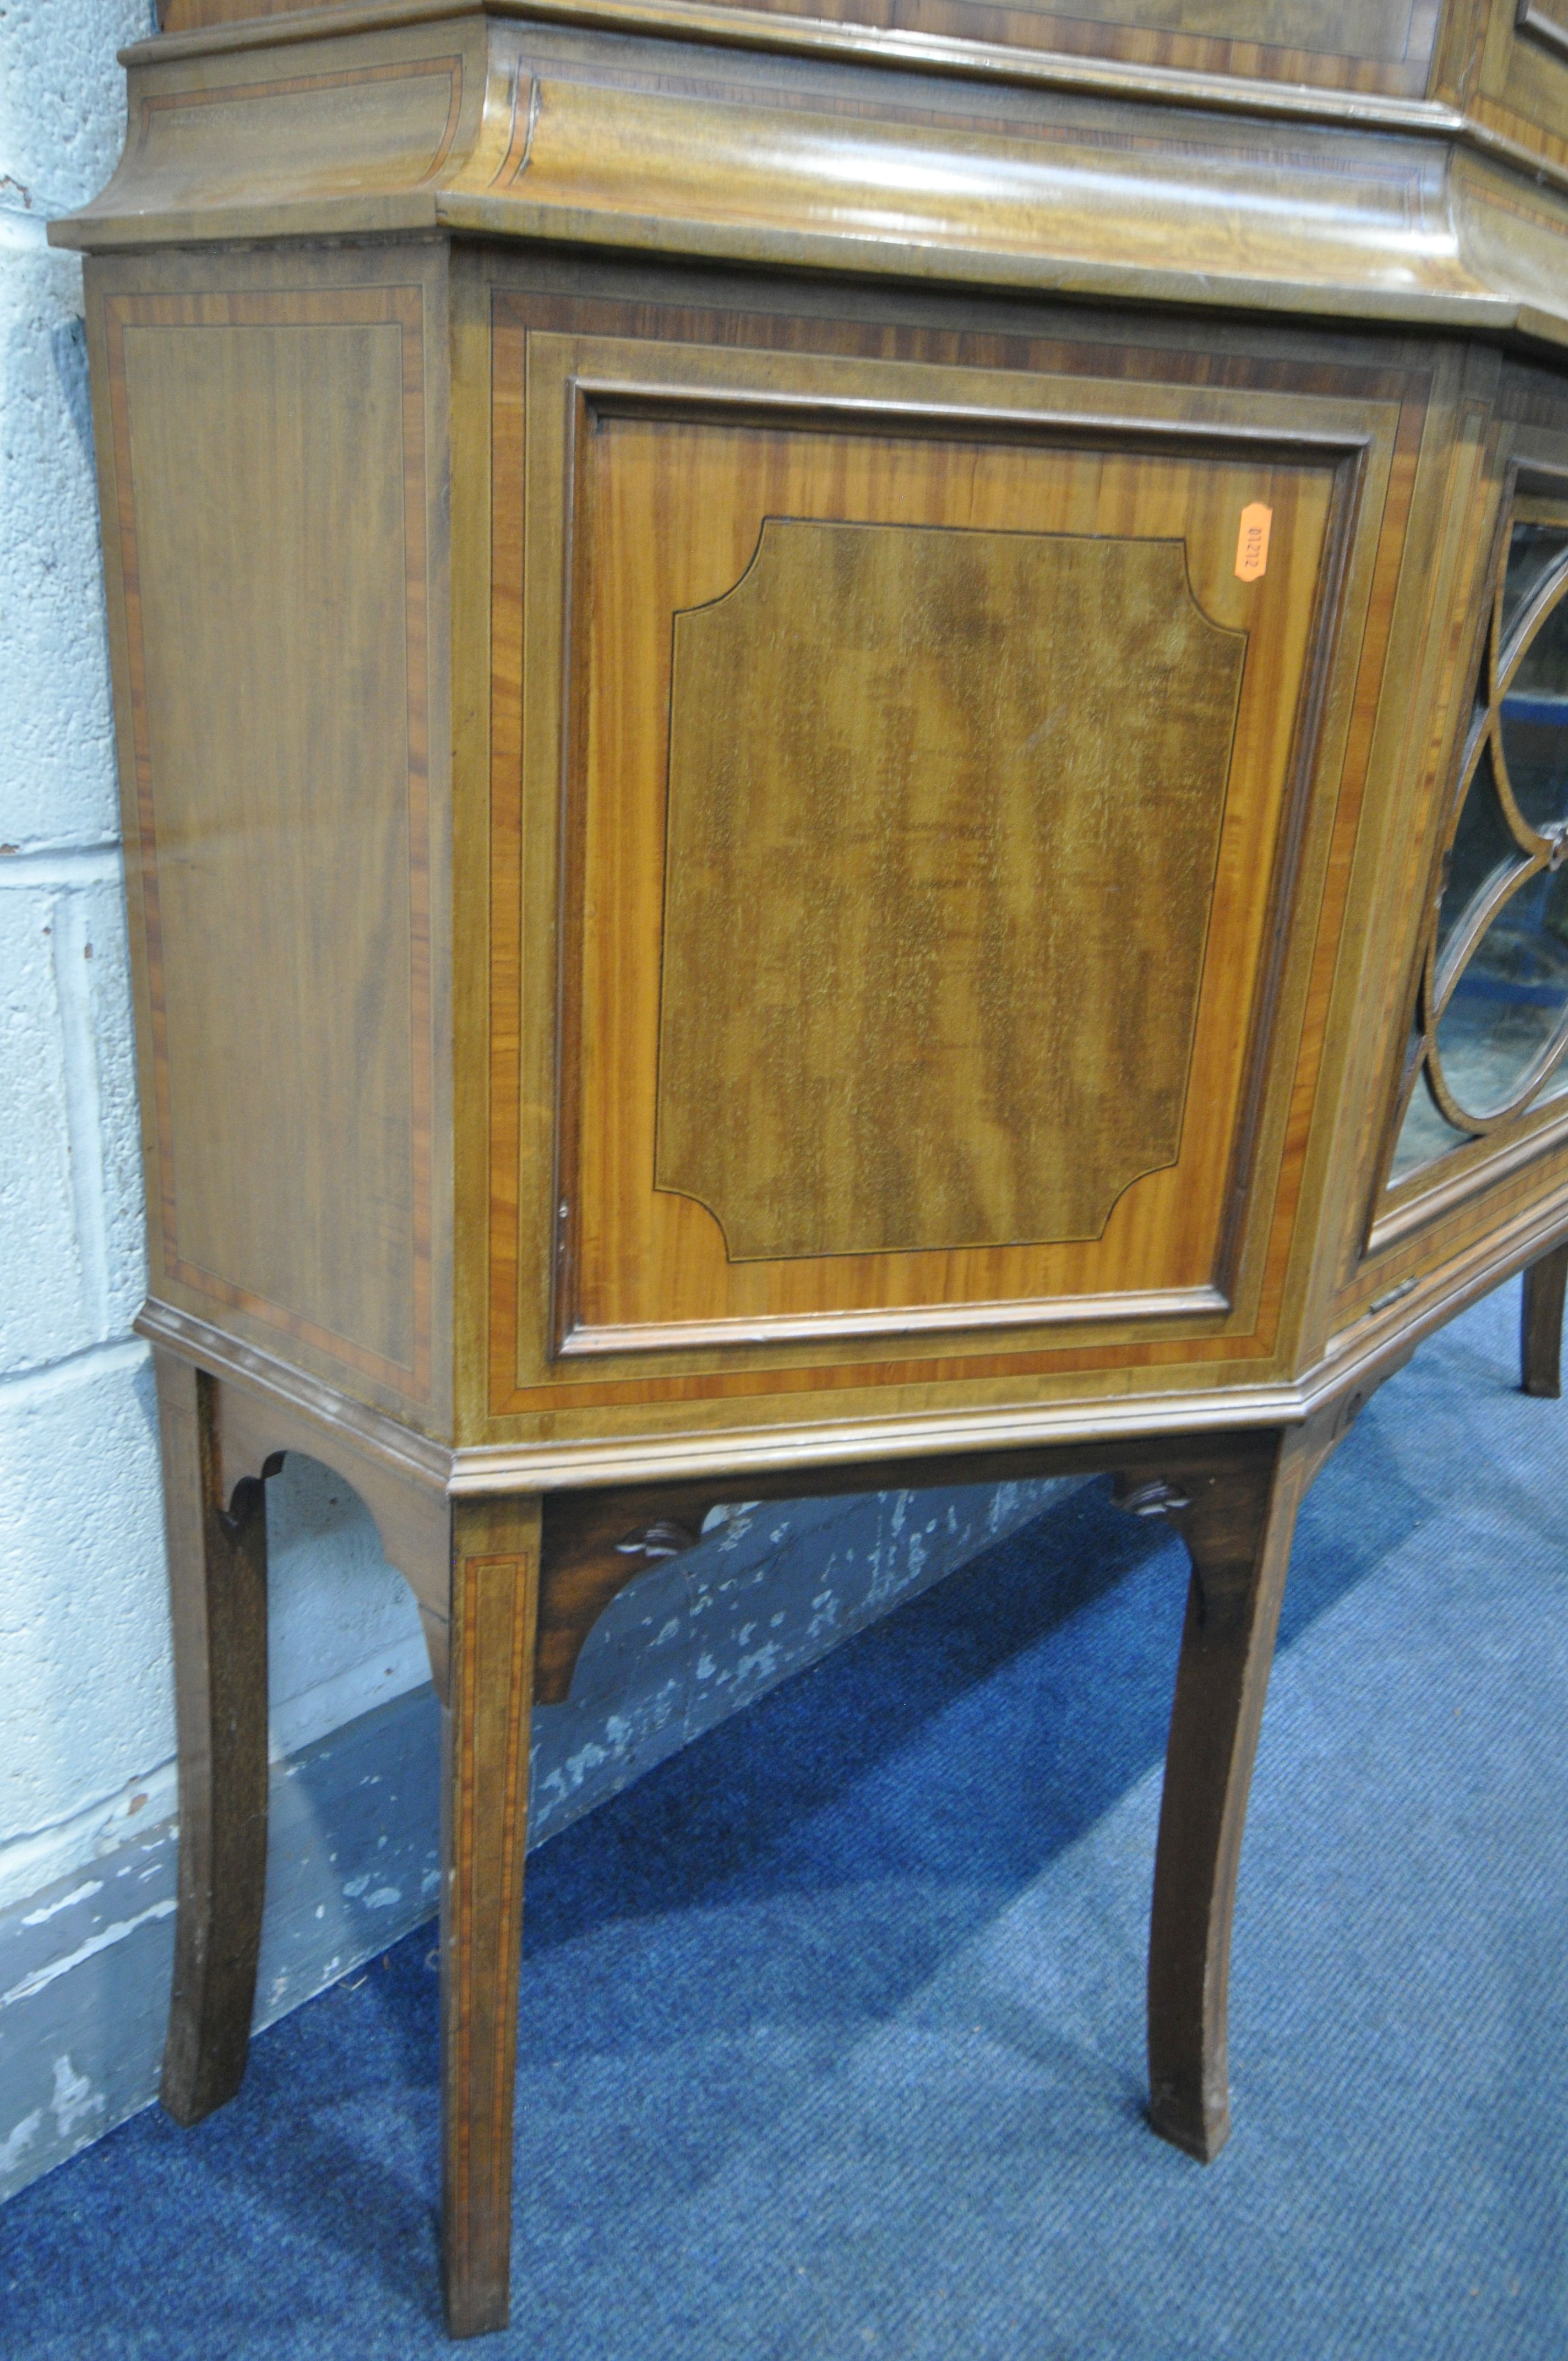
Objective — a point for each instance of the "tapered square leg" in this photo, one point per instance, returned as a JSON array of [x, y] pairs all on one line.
[[1237, 1524], [1540, 1324], [217, 1568], [494, 1564]]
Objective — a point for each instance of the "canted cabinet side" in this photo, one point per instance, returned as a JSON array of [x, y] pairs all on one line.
[[1463, 1158]]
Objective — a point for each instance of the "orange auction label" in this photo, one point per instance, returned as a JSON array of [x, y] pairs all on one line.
[[1252, 542]]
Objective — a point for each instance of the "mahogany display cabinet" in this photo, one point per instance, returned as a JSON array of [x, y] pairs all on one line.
[[845, 749]]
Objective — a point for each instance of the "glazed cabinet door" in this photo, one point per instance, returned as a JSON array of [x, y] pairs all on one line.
[[1491, 1006], [1471, 1158], [911, 765]]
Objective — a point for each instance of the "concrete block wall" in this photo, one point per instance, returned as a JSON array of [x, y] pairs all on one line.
[[86, 1718], [88, 1830], [82, 1631]]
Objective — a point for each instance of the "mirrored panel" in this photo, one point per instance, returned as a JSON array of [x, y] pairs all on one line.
[[1510, 1000], [1535, 727]]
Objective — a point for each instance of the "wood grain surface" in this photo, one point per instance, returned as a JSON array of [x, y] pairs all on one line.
[[1237, 1526], [584, 494], [1117, 161], [1072, 1019], [1540, 1324], [217, 1573], [593, 1544], [495, 1565], [943, 816], [194, 15], [1379, 46], [269, 461], [1517, 76]]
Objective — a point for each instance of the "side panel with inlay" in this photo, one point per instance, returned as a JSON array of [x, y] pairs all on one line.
[[269, 468]]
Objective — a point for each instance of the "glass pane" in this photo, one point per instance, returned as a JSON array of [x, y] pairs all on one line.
[[1483, 851], [1533, 551], [1510, 999], [1535, 726], [1424, 1136]]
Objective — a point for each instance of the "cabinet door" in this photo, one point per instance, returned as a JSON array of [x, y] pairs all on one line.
[[1493, 1013], [1482, 1095], [931, 740]]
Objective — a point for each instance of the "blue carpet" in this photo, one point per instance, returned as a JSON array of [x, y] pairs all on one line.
[[832, 2036]]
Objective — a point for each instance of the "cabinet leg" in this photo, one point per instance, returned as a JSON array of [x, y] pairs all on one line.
[[1540, 1324], [217, 1569], [495, 1563], [1237, 1526]]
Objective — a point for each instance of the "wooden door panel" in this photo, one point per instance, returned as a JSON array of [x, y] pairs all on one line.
[[898, 1010], [924, 781]]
